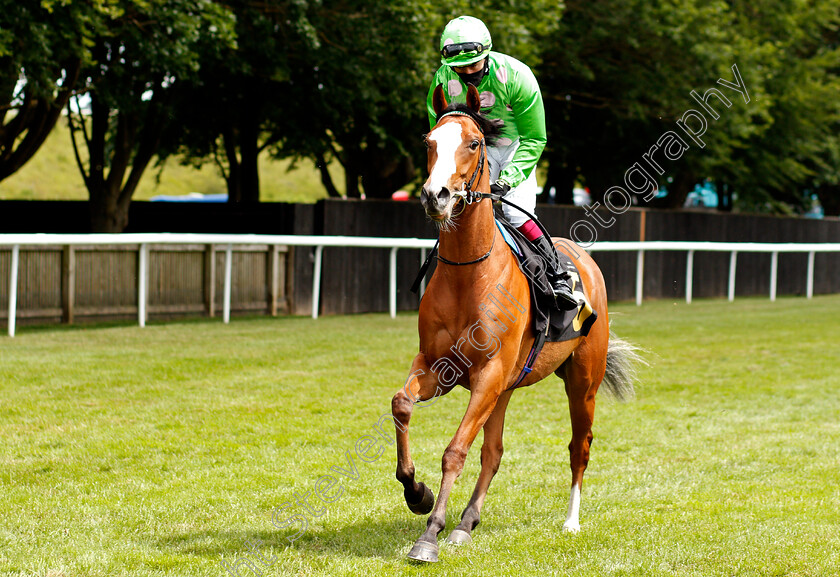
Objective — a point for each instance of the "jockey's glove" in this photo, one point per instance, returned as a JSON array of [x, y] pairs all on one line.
[[500, 187]]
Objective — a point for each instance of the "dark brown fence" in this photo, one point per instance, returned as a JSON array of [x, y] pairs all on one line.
[[355, 280], [61, 283]]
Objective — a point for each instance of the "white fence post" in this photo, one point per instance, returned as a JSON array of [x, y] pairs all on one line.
[[316, 281], [689, 276], [228, 281], [733, 264], [774, 274], [13, 282], [142, 284], [392, 283], [809, 287], [640, 276]]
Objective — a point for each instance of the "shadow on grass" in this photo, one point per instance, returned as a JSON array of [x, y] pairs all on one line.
[[384, 539]]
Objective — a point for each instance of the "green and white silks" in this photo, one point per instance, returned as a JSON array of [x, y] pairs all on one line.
[[509, 92]]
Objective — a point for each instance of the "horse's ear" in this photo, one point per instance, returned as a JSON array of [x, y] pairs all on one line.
[[439, 99], [473, 99]]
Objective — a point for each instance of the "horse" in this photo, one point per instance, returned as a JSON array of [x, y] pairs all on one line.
[[480, 339]]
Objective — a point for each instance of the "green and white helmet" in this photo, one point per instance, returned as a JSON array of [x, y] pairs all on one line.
[[464, 41]]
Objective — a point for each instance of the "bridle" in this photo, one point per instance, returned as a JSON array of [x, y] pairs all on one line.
[[467, 194]]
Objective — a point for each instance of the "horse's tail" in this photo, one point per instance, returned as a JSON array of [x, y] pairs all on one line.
[[623, 360]]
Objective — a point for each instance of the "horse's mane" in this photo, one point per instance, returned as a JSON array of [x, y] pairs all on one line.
[[490, 127]]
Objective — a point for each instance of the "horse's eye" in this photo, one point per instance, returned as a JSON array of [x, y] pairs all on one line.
[[426, 142], [474, 145]]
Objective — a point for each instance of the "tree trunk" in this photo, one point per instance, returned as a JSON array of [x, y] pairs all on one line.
[[241, 140], [351, 182], [249, 153], [829, 197], [326, 178], [108, 214], [724, 192], [233, 178], [351, 158], [133, 146], [384, 173], [36, 118]]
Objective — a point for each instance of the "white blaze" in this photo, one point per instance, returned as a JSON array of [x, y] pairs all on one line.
[[448, 139]]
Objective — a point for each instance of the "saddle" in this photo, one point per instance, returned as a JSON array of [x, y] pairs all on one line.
[[555, 324]]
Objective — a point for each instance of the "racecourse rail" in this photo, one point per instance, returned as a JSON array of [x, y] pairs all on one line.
[[143, 240]]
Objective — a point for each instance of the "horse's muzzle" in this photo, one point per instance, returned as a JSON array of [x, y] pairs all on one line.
[[436, 205]]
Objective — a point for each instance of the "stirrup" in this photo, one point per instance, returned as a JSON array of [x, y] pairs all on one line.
[[558, 276], [565, 299]]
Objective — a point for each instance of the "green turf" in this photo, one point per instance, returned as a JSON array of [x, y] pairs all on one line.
[[161, 451]]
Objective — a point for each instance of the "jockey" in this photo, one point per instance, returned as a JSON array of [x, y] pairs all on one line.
[[509, 91]]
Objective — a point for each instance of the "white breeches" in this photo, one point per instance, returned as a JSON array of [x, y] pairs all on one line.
[[524, 195]]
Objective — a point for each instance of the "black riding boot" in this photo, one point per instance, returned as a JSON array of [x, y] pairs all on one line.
[[557, 274]]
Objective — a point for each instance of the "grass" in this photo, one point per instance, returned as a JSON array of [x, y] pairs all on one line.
[[52, 174], [161, 451]]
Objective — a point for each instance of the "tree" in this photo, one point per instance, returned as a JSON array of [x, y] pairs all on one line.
[[795, 47], [618, 75], [143, 50], [344, 81], [311, 81], [229, 110], [42, 48]]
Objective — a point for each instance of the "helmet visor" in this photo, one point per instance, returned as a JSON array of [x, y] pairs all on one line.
[[466, 49]]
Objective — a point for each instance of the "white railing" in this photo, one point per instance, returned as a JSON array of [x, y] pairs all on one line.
[[733, 248], [321, 242]]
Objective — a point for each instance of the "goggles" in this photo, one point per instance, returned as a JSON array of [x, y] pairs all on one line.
[[469, 48]]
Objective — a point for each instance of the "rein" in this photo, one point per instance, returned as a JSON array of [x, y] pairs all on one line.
[[421, 274]]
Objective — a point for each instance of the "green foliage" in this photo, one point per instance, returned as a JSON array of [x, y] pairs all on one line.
[[229, 83], [795, 50], [143, 51], [43, 46], [619, 74]]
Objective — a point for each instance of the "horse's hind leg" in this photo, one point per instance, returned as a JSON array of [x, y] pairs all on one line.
[[491, 457], [582, 374]]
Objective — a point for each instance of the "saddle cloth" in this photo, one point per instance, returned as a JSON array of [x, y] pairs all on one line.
[[557, 325]]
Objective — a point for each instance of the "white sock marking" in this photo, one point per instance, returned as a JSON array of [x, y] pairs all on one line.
[[572, 523]]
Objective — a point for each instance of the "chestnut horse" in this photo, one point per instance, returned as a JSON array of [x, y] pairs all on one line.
[[457, 328]]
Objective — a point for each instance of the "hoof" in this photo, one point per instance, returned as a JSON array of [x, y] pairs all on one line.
[[459, 537], [424, 505], [573, 528], [424, 552]]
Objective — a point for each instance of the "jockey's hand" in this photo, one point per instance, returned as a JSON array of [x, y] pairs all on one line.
[[500, 187]]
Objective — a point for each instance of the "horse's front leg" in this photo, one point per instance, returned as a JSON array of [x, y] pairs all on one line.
[[491, 457], [421, 385], [485, 392]]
